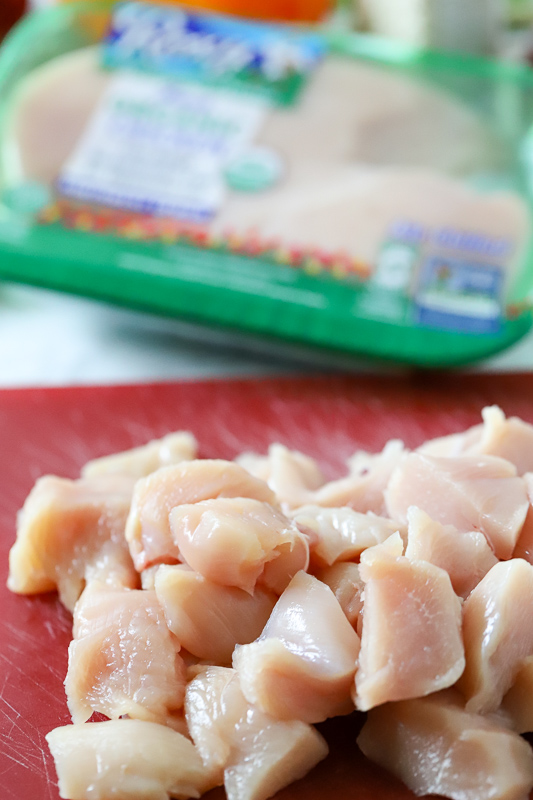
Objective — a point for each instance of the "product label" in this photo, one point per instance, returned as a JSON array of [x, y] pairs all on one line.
[[222, 51], [442, 278], [160, 147], [456, 294]]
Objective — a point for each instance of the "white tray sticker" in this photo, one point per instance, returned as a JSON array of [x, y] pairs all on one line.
[[161, 147]]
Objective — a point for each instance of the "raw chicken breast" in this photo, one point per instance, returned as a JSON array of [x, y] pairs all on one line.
[[342, 534], [411, 643], [363, 488], [208, 619], [517, 705], [510, 438], [357, 164], [291, 475], [498, 634], [259, 754], [126, 759], [303, 664], [351, 208], [230, 540], [346, 583], [148, 530], [70, 533], [50, 101], [466, 557], [363, 148], [349, 112], [472, 493], [435, 747], [112, 668], [141, 461]]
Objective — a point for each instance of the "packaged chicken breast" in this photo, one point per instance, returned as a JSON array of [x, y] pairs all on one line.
[[300, 184]]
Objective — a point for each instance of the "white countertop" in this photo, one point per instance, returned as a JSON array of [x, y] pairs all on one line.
[[51, 339]]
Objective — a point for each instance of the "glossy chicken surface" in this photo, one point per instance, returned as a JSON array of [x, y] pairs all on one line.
[[127, 760], [230, 541], [411, 643], [112, 668], [436, 747], [256, 753], [70, 533], [303, 664], [148, 529], [470, 492]]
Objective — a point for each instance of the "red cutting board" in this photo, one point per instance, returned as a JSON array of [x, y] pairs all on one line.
[[57, 430]]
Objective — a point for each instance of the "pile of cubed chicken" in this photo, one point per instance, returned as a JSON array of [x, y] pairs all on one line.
[[223, 608]]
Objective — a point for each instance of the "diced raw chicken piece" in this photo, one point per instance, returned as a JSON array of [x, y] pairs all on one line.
[[510, 438], [148, 577], [303, 664], [214, 705], [141, 461], [392, 547], [472, 493], [341, 534], [291, 475], [230, 540], [411, 643], [123, 658], [209, 619], [270, 755], [259, 754], [435, 747], [363, 488], [517, 705], [453, 445], [126, 759], [256, 464], [524, 545], [70, 533], [466, 557], [292, 556], [148, 529], [498, 634], [347, 585]]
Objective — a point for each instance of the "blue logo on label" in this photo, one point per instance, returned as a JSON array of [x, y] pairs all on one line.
[[211, 49]]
